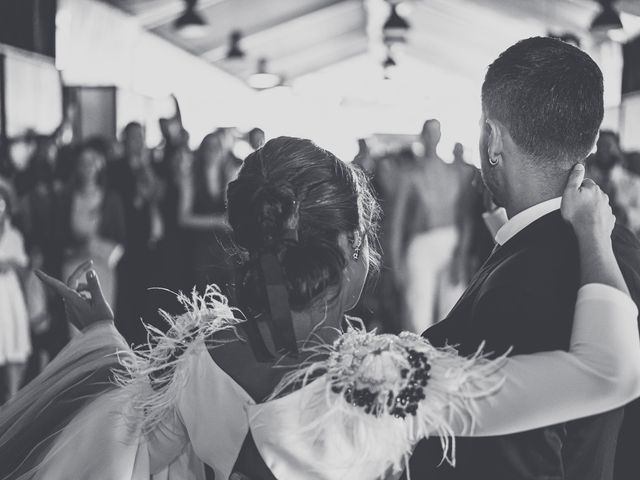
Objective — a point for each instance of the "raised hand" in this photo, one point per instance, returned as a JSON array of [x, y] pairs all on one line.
[[84, 302], [586, 207]]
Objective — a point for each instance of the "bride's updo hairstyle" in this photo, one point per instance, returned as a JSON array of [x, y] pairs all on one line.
[[293, 199]]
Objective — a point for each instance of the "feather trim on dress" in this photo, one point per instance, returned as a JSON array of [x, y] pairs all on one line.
[[155, 375], [383, 393]]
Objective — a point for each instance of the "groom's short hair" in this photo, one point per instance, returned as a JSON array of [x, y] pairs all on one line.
[[549, 96]]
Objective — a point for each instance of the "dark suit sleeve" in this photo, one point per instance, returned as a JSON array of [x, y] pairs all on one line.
[[627, 463], [627, 250]]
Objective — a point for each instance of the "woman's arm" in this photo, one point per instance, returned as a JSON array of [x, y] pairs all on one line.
[[188, 219], [600, 372]]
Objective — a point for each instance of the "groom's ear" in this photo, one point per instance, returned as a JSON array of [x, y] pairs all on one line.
[[495, 144]]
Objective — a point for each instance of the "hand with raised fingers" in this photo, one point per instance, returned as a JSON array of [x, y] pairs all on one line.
[[84, 303]]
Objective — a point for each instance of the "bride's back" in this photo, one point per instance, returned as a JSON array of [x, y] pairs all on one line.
[[300, 217]]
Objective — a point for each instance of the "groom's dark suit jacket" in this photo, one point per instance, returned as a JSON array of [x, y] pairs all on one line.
[[523, 297]]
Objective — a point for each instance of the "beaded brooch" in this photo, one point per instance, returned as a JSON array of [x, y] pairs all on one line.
[[381, 374]]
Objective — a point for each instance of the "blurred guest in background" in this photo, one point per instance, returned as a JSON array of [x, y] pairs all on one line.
[[363, 158], [633, 162], [175, 248], [475, 241], [471, 234], [15, 343], [41, 167], [132, 176], [39, 211], [201, 211], [386, 302], [607, 167], [92, 218], [41, 188], [256, 138], [425, 213]]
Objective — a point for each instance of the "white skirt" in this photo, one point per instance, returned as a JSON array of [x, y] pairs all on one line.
[[429, 294], [15, 340]]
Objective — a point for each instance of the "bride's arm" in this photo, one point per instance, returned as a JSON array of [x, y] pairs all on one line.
[[601, 370]]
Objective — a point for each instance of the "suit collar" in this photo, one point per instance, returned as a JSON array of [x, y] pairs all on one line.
[[525, 218]]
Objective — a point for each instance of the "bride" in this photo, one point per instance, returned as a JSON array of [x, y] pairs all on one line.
[[291, 388]]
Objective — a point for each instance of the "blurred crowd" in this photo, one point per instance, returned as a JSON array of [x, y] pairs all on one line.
[[151, 219], [433, 236], [153, 222]]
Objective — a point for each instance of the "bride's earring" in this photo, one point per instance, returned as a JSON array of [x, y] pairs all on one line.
[[494, 160], [357, 245]]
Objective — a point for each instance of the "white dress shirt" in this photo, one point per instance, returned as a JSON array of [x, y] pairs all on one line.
[[525, 218]]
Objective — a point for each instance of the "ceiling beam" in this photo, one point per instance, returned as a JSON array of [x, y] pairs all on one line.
[[333, 20], [155, 13]]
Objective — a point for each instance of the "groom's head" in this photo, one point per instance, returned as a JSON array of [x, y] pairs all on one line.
[[542, 105]]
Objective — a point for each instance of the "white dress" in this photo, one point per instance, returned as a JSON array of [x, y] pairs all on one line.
[[170, 413], [15, 342]]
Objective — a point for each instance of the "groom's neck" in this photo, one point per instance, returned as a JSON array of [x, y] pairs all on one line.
[[519, 205], [525, 195]]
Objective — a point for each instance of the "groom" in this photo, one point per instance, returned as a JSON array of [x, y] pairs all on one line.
[[542, 105]]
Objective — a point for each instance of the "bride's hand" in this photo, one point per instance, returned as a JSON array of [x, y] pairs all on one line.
[[586, 207], [84, 302]]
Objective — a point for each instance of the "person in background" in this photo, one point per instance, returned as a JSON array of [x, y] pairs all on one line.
[[633, 162], [364, 158], [201, 212], [425, 212], [36, 218], [175, 247], [607, 167], [256, 138], [132, 176], [474, 238], [15, 342], [92, 218], [387, 300]]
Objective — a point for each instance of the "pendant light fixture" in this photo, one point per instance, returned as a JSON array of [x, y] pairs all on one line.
[[190, 24], [395, 28], [263, 79], [607, 19]]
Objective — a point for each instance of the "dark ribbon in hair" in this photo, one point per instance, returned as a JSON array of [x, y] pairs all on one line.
[[281, 323]]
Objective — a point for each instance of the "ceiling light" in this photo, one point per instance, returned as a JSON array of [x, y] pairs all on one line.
[[191, 24], [389, 66], [395, 27], [389, 62], [608, 18], [262, 79], [234, 45]]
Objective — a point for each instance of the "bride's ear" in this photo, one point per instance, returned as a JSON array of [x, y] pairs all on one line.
[[355, 248], [351, 245]]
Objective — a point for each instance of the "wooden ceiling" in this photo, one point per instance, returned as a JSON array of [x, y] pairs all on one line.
[[302, 36], [295, 36]]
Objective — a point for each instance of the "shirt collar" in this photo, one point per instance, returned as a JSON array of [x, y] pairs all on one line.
[[525, 218]]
